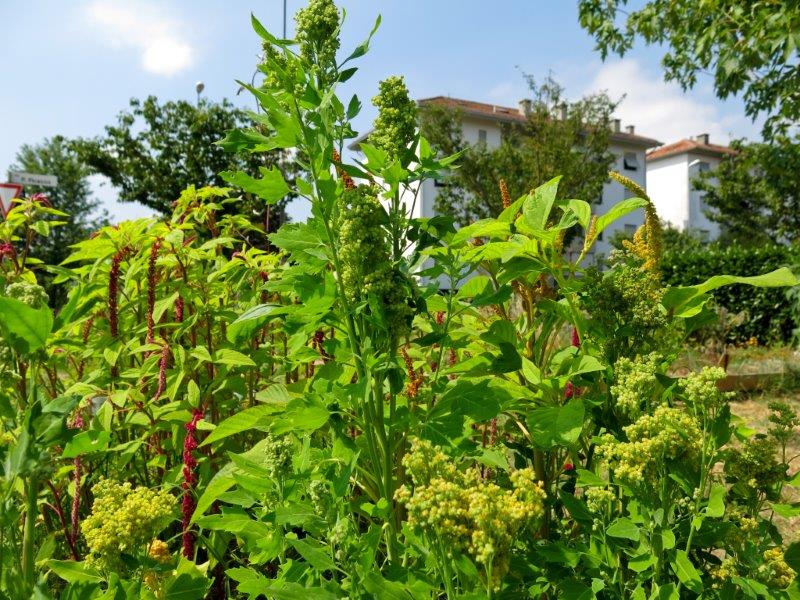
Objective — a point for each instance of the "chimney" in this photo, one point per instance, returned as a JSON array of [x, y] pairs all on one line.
[[562, 112], [615, 125], [525, 107], [702, 138], [631, 129]]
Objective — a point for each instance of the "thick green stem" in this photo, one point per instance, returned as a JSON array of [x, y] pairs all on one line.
[[29, 535]]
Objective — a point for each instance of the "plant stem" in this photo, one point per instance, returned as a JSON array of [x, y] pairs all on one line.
[[29, 534]]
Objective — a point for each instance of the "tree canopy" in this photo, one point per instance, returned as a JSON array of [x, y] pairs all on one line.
[[55, 156], [155, 151], [748, 48], [558, 138]]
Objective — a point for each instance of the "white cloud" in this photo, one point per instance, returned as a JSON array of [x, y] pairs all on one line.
[[663, 110], [145, 27]]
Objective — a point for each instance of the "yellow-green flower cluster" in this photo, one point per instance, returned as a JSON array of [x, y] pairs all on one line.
[[279, 452], [635, 383], [668, 434], [724, 572], [396, 123], [123, 519], [465, 513], [701, 392], [776, 569], [598, 499], [316, 26], [755, 466], [366, 265], [31, 294]]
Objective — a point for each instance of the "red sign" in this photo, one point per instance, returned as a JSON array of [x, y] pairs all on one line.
[[8, 191]]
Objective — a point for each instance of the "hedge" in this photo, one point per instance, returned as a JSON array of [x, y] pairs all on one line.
[[770, 311]]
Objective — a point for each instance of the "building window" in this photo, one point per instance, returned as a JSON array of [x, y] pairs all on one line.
[[630, 229], [481, 136], [439, 182], [703, 167], [705, 235], [630, 161]]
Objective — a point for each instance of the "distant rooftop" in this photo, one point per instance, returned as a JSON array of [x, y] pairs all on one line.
[[518, 115], [697, 145]]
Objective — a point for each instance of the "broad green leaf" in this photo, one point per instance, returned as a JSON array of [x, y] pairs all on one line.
[[226, 356], [257, 417], [623, 528], [539, 204], [252, 320], [188, 583], [270, 188], [589, 479], [316, 557], [24, 328], [87, 442], [384, 589], [483, 228], [686, 572], [619, 210], [678, 297], [74, 572], [581, 209], [556, 425], [221, 482], [716, 504]]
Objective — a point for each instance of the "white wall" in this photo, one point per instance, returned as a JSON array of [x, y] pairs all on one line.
[[672, 192], [697, 218], [669, 189]]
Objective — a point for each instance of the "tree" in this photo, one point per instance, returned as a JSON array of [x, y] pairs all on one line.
[[755, 193], [558, 138], [157, 150], [55, 156], [748, 47]]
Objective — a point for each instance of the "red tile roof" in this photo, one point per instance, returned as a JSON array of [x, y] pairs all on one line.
[[509, 115], [685, 146], [505, 113]]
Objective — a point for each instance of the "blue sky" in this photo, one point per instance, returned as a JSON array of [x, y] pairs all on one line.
[[69, 67]]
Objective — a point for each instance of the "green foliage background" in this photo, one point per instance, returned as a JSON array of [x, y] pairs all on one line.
[[770, 313]]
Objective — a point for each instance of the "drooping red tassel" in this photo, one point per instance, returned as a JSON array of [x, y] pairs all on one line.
[[179, 310], [163, 363], [113, 292], [189, 482], [151, 291]]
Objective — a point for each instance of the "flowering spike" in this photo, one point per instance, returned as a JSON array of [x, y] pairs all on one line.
[[506, 197], [189, 482], [151, 290]]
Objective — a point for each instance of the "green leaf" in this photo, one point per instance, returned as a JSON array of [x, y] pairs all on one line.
[[270, 188], [582, 210], [250, 321], [623, 528], [74, 572], [539, 204], [619, 210], [257, 417], [188, 583], [316, 557], [483, 228], [678, 297], [589, 479], [86, 442], [226, 356], [716, 504], [24, 328], [384, 589], [686, 572], [556, 425]]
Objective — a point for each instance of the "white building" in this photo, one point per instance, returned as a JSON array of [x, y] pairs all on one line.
[[483, 123], [670, 172]]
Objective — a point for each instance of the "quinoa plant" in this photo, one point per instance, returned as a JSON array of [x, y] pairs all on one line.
[[379, 406]]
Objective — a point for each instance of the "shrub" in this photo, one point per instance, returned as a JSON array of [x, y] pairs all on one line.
[[769, 313]]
